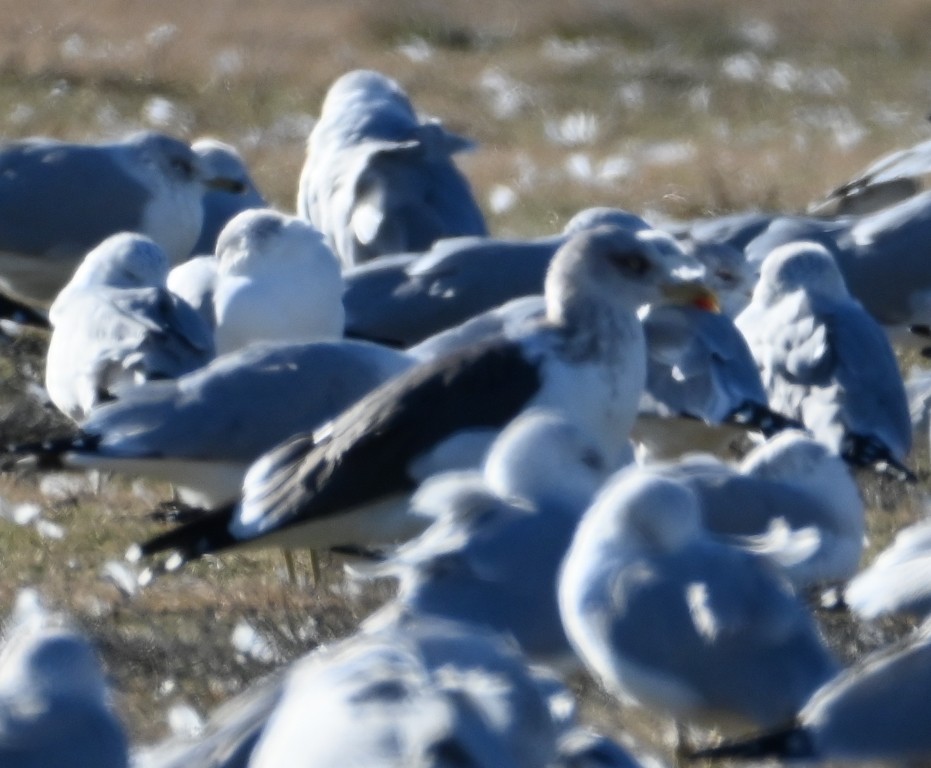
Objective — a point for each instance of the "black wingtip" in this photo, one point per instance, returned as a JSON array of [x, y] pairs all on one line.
[[360, 553], [204, 535], [47, 454], [760, 417], [792, 743], [21, 314], [356, 334], [867, 451]]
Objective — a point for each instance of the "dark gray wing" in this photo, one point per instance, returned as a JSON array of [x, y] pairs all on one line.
[[369, 448]]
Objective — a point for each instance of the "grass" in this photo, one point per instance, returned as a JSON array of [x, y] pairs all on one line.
[[691, 108]]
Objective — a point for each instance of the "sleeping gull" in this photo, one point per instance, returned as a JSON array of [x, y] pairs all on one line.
[[791, 500], [277, 280], [825, 361], [493, 553], [59, 200], [378, 180], [115, 324], [668, 617], [427, 693], [222, 203], [203, 430], [347, 483], [54, 709], [874, 711]]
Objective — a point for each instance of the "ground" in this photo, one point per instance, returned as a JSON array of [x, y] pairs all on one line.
[[671, 109]]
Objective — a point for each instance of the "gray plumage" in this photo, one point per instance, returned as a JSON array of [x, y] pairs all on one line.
[[873, 711], [824, 360], [54, 709], [58, 200], [492, 554], [667, 616], [116, 325], [203, 430], [406, 299], [377, 179]]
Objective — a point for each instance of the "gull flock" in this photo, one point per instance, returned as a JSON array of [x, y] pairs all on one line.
[[619, 451]]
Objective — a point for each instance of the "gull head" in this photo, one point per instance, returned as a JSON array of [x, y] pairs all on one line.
[[800, 266], [263, 237], [616, 267], [647, 512], [179, 165]]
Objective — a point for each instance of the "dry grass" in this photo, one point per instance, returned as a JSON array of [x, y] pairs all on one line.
[[673, 108]]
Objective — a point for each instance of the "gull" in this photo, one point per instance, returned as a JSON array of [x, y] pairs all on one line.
[[202, 430], [377, 179], [898, 581], [672, 619], [61, 199], [882, 262], [791, 500], [429, 692], [891, 179], [403, 300], [874, 711], [493, 553], [729, 273], [220, 204], [54, 709], [346, 484], [277, 280], [825, 361], [425, 694], [700, 374], [115, 325]]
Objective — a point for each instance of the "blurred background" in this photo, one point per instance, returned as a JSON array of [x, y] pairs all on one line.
[[672, 109], [679, 108]]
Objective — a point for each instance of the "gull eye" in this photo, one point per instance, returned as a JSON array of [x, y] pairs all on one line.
[[237, 187], [725, 277], [592, 459], [634, 263], [183, 166]]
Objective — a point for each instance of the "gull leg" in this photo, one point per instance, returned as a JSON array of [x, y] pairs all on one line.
[[290, 567]]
